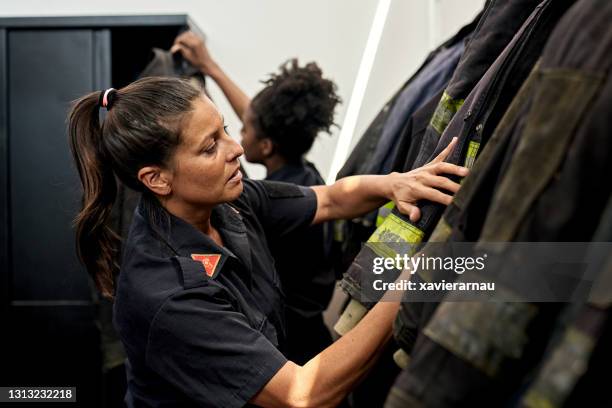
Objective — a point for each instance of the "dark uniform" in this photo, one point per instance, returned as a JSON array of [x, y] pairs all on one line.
[[303, 262], [203, 325]]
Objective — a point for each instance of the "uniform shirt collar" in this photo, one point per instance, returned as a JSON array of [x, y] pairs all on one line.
[[186, 240]]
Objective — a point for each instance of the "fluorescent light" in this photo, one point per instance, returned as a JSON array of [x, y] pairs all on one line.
[[359, 88]]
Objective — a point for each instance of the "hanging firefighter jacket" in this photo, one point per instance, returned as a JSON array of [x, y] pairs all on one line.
[[580, 354], [500, 84], [557, 135], [499, 24], [375, 151]]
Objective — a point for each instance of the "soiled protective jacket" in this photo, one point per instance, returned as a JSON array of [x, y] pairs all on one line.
[[368, 158], [413, 133], [471, 353], [483, 108], [431, 80], [359, 159], [500, 23], [463, 219], [581, 354]]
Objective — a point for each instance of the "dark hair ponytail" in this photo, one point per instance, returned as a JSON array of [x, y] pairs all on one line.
[[97, 243], [142, 128]]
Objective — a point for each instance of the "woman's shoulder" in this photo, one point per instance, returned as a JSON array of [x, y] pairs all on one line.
[[149, 279], [258, 195], [152, 271], [303, 173], [313, 175]]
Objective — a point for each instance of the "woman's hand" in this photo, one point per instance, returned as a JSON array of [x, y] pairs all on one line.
[[425, 183], [193, 49], [355, 196]]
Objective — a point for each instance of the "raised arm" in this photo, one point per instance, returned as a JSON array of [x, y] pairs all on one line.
[[194, 50], [354, 196]]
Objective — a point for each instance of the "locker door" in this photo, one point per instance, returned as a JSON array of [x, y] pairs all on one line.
[[50, 309]]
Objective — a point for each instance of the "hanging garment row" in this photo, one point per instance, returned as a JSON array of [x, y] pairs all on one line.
[[530, 102]]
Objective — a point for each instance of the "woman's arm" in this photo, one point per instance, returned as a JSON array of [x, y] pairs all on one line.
[[326, 379], [194, 50], [354, 196]]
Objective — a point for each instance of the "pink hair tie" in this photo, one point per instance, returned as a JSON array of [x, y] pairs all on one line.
[[106, 98]]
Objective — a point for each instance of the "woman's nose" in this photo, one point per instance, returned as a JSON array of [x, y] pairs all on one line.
[[236, 150]]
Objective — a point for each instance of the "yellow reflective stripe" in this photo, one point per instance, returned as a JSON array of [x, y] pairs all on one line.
[[446, 109], [533, 400], [470, 157], [383, 212], [339, 230], [395, 229], [390, 236], [568, 361]]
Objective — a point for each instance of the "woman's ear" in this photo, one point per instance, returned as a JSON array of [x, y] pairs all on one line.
[[267, 146], [155, 179]]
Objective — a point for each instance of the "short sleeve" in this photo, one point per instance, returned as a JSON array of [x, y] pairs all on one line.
[[207, 350], [281, 207]]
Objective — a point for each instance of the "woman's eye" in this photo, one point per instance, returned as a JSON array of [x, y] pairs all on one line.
[[225, 128], [211, 149]]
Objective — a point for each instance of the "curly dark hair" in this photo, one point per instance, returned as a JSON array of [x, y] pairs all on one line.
[[294, 107]]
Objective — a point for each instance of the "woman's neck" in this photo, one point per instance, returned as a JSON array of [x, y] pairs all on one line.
[[274, 163], [198, 217]]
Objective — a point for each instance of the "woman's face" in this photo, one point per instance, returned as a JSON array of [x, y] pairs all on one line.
[[205, 167], [252, 145]]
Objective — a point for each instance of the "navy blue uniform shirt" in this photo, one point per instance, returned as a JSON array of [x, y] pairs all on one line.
[[203, 325], [303, 257]]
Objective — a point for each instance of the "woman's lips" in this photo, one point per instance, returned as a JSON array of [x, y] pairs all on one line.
[[236, 176]]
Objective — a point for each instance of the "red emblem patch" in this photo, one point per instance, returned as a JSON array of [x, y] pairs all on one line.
[[210, 262]]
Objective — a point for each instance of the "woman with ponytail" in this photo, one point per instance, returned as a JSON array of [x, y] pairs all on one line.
[[197, 300], [99, 157]]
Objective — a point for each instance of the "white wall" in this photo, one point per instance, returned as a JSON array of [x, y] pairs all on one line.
[[412, 30], [251, 38]]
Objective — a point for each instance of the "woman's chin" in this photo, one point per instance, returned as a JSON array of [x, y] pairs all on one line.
[[234, 190]]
